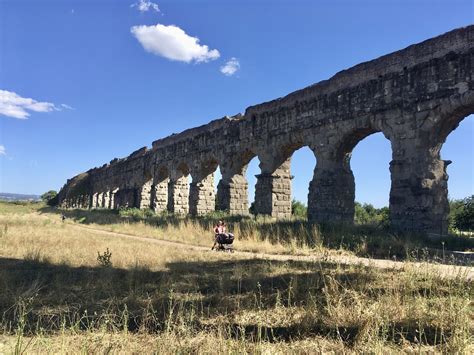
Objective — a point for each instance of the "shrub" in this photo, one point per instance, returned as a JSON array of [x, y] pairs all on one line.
[[298, 209], [136, 214], [50, 198], [368, 214], [462, 214], [105, 259]]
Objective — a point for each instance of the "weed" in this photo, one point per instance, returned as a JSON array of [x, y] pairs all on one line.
[[104, 259]]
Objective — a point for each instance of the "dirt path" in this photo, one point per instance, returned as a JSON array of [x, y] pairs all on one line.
[[449, 271]]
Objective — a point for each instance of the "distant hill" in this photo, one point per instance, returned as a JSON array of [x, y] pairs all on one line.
[[5, 196]]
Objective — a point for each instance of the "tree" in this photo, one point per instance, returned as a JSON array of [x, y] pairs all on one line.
[[298, 209], [361, 216], [464, 215], [50, 198], [368, 214], [455, 207]]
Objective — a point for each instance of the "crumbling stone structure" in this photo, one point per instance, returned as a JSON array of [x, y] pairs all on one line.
[[415, 97]]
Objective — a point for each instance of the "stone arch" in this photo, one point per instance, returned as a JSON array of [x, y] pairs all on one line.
[[232, 189], [107, 196], [161, 173], [182, 168], [103, 198], [204, 166], [447, 125], [273, 188], [370, 164], [125, 197], [147, 175], [331, 196], [419, 192], [438, 136], [252, 172], [273, 156], [458, 150], [303, 163], [201, 192], [350, 141]]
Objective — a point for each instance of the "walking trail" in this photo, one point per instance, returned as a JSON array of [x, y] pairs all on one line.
[[448, 271]]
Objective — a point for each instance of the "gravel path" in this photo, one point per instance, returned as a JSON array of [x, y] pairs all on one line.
[[449, 271]]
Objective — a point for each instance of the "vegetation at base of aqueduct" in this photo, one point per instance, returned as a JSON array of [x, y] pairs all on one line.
[[66, 289], [371, 235]]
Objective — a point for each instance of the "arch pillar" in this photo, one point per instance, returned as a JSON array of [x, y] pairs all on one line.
[[95, 200], [232, 189], [332, 190], [112, 200], [232, 193], [105, 199], [159, 195], [90, 201], [144, 195], [201, 193], [100, 199], [178, 193], [273, 189], [419, 189]]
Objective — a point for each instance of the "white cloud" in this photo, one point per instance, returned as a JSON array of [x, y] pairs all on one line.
[[13, 105], [67, 107], [144, 6], [2, 150], [231, 67], [173, 43]]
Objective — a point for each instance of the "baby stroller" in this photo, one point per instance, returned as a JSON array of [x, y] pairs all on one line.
[[224, 242]]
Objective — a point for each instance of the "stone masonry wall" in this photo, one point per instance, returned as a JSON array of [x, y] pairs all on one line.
[[415, 97]]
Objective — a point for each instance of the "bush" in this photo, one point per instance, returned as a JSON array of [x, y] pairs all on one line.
[[368, 214], [461, 214], [136, 214], [298, 209], [50, 198], [104, 260]]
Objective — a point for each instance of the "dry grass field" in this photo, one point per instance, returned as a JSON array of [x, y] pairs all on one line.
[[57, 296]]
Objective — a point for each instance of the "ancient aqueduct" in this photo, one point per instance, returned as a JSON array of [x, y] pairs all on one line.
[[415, 97]]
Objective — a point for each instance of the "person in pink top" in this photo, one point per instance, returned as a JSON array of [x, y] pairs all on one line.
[[219, 229]]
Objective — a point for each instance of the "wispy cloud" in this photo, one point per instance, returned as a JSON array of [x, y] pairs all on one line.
[[13, 105], [67, 107], [173, 43], [231, 67], [144, 6], [2, 150]]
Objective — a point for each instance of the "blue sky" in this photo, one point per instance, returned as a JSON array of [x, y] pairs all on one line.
[[106, 78]]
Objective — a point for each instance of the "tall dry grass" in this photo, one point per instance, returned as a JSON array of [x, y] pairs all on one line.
[[56, 297], [268, 236]]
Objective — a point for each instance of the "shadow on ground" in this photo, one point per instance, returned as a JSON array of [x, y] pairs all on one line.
[[44, 298]]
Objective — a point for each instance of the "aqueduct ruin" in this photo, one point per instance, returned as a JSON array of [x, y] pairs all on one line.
[[415, 97]]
